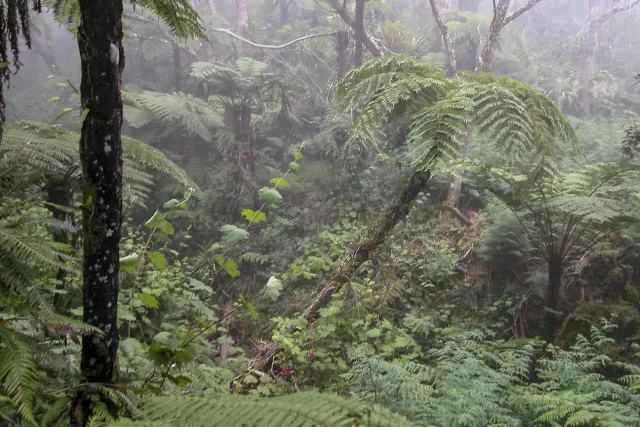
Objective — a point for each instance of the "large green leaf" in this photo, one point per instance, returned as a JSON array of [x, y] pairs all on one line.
[[254, 216], [157, 221], [269, 195], [157, 259], [229, 265], [273, 288], [233, 234]]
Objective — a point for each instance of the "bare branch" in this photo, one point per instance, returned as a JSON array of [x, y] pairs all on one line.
[[269, 46], [520, 11], [615, 8], [364, 38]]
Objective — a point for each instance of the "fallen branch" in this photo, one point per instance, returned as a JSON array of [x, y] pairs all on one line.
[[358, 256], [269, 46]]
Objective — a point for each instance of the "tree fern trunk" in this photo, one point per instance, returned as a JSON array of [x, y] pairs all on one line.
[[177, 68], [58, 192], [102, 62], [556, 271], [360, 34]]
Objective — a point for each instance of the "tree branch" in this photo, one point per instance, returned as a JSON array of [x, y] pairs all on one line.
[[269, 46], [364, 38], [615, 9], [520, 11], [448, 43]]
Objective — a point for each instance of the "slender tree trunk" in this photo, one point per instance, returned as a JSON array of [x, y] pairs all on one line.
[[588, 65], [102, 63], [455, 187], [556, 271], [485, 61], [283, 13], [342, 53], [212, 6], [242, 24], [177, 68], [360, 34]]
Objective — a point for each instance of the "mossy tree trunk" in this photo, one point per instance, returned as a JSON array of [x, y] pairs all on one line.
[[102, 63]]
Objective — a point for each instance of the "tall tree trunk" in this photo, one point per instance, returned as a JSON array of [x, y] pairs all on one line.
[[59, 193], [283, 13], [242, 24], [485, 61], [588, 65], [212, 6], [342, 53], [556, 271], [102, 63], [360, 34], [177, 68]]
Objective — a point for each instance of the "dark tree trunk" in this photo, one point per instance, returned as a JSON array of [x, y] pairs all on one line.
[[59, 193], [469, 5], [360, 34], [102, 63], [552, 320], [283, 15], [177, 68], [342, 53]]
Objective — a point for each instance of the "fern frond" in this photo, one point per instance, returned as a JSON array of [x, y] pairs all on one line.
[[18, 372], [300, 409]]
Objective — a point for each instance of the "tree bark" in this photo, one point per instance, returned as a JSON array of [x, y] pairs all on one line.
[[342, 53], [455, 187], [102, 63], [446, 37], [373, 48], [177, 68], [360, 34], [59, 192], [499, 21]]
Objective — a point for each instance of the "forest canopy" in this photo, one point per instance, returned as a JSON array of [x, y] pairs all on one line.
[[320, 213]]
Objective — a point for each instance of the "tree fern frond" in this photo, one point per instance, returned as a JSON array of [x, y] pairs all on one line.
[[18, 372]]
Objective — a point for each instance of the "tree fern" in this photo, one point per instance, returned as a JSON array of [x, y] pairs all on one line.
[[178, 15], [300, 409], [524, 123]]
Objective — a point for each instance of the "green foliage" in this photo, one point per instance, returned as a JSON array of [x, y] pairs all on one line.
[[304, 409], [524, 123]]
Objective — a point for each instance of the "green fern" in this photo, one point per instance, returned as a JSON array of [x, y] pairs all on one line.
[[178, 15], [524, 124], [300, 409], [18, 372]]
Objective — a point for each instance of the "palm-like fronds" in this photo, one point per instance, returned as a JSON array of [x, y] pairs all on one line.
[[178, 15], [524, 123]]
